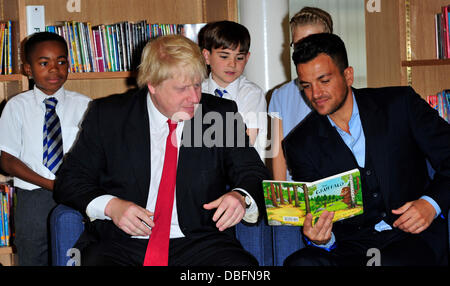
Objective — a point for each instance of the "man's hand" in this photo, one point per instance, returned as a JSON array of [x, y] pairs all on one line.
[[320, 233], [230, 210], [130, 217], [415, 216]]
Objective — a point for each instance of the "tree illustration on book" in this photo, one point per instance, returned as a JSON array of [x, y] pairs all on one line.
[[287, 203]]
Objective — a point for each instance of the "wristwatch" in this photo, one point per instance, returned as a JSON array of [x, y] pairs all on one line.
[[248, 200]]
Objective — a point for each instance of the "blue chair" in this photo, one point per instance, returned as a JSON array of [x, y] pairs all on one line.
[[269, 246], [66, 226], [257, 240]]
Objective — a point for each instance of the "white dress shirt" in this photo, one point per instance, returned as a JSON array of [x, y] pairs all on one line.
[[159, 130], [252, 105], [22, 123]]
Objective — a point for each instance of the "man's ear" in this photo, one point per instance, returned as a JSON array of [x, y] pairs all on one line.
[[151, 88], [206, 55], [349, 77]]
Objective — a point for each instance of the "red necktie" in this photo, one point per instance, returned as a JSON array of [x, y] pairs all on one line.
[[157, 253]]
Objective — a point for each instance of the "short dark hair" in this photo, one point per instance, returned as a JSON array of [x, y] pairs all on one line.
[[224, 34], [324, 43], [33, 40]]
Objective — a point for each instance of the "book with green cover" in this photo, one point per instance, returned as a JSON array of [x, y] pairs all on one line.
[[287, 203]]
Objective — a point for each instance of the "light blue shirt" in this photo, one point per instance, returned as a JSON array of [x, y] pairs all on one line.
[[356, 142], [287, 104]]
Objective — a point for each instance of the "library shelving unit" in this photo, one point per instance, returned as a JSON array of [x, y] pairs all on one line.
[[401, 46], [98, 12]]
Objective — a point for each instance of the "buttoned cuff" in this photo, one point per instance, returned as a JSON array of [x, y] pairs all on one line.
[[433, 203]]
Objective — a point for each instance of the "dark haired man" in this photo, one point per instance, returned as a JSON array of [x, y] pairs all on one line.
[[388, 133]]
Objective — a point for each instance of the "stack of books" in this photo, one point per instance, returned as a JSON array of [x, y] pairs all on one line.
[[441, 102], [5, 48], [6, 207], [110, 48]]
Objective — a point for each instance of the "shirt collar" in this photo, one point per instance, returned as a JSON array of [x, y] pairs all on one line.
[[158, 120], [232, 89], [355, 114], [40, 96]]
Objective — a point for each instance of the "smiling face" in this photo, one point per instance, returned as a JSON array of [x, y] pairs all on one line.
[[176, 98], [326, 87], [226, 64], [48, 66]]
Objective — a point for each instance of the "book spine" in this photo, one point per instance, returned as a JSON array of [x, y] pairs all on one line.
[[89, 46], [2, 228], [93, 48], [448, 32], [2, 32], [110, 48], [10, 48], [107, 58], [102, 63], [73, 46], [80, 45], [6, 217], [447, 99], [445, 38]]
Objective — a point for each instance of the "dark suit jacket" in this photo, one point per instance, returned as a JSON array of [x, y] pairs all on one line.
[[401, 132], [112, 156]]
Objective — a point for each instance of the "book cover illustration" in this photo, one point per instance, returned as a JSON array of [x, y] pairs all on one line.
[[287, 203]]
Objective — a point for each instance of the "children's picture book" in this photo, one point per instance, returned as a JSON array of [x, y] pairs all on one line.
[[287, 203]]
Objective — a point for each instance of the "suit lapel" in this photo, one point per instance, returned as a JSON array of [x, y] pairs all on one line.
[[335, 153], [137, 136], [191, 139]]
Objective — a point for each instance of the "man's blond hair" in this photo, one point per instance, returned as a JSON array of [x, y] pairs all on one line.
[[169, 57]]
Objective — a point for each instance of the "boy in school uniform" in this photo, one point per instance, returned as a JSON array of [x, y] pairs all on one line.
[[225, 46], [37, 128]]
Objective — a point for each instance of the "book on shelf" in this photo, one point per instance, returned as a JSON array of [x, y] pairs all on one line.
[[442, 33], [287, 203], [113, 47], [5, 48], [6, 207], [441, 103]]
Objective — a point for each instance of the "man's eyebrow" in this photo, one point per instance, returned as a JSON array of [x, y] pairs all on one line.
[[324, 75]]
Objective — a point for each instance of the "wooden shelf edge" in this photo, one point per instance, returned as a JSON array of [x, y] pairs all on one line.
[[101, 75], [11, 77], [6, 250], [434, 62]]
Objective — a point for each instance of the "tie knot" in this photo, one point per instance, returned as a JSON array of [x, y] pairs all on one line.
[[219, 92], [50, 103], [172, 125]]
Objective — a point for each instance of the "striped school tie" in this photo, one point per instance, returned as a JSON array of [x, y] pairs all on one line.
[[53, 145], [220, 93]]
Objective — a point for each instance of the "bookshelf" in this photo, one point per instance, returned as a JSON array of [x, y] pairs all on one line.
[[98, 12], [401, 46]]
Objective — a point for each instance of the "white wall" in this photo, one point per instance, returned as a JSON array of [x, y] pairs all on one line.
[[270, 62], [267, 22]]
